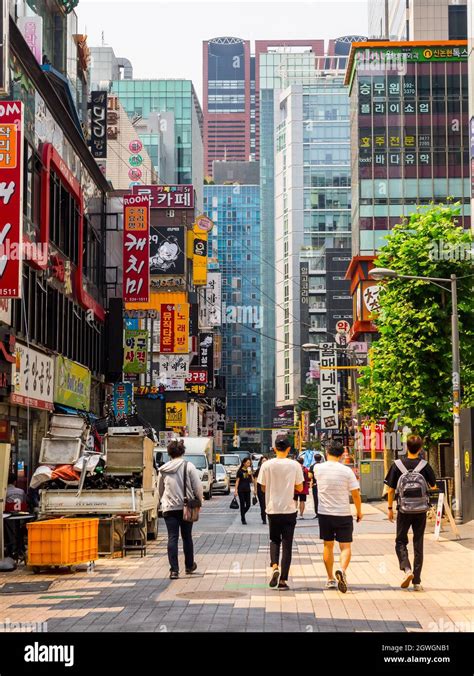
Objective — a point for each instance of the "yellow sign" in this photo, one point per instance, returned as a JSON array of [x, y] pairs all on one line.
[[365, 468], [199, 257], [176, 414], [467, 462]]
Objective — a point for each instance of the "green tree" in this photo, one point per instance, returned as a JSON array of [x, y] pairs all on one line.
[[409, 376], [309, 402]]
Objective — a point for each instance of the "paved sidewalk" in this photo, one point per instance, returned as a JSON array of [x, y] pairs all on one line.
[[231, 592]]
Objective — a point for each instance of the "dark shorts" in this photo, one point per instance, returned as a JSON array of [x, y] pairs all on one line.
[[338, 528], [300, 497]]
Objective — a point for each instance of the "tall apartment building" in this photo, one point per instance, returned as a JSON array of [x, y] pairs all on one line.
[[402, 20], [410, 144]]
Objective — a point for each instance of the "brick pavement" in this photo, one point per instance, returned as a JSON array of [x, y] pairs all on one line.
[[230, 591]]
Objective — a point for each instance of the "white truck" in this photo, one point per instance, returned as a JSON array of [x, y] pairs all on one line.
[[200, 451], [128, 451]]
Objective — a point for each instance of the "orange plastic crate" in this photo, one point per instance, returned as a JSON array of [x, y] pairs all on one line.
[[62, 542]]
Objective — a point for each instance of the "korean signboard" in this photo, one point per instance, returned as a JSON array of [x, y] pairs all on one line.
[[304, 313], [98, 139], [367, 301], [197, 381], [173, 365], [176, 414], [33, 378], [283, 417], [5, 311], [11, 198], [167, 251], [31, 27], [174, 328], [214, 298], [206, 354], [4, 60], [167, 196], [122, 399], [135, 355], [72, 384], [305, 425], [136, 249], [199, 257], [203, 223], [328, 389]]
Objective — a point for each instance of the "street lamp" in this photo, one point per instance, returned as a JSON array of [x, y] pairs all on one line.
[[383, 273]]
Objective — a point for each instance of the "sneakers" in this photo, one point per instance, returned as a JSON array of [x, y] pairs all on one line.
[[275, 578], [418, 588], [283, 586], [190, 571], [331, 584], [244, 522], [341, 581], [174, 575], [407, 579]]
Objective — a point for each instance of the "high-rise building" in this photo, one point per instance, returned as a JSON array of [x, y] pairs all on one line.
[[418, 19], [142, 99], [410, 144], [106, 67], [312, 213], [235, 211]]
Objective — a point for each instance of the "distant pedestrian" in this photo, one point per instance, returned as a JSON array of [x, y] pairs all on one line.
[[279, 479], [336, 483], [243, 487], [314, 484], [171, 493], [408, 480], [300, 498], [260, 493]]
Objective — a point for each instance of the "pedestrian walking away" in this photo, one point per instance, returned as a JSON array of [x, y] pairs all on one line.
[[280, 478], [408, 480], [260, 493], [171, 493], [300, 498], [314, 486], [336, 483], [243, 487]]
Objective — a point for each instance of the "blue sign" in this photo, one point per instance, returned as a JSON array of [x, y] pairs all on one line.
[[123, 398]]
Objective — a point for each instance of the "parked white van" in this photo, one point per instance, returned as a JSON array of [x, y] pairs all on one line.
[[200, 451]]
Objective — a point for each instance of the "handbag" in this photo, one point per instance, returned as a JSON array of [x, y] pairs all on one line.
[[234, 504], [191, 505]]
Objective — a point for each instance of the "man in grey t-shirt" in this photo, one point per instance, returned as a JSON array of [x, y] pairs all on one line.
[[336, 483]]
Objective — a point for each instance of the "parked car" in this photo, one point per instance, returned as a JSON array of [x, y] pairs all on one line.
[[222, 480], [231, 462], [242, 454]]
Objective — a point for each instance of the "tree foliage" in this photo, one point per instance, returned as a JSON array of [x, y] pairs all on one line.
[[309, 402], [409, 376]]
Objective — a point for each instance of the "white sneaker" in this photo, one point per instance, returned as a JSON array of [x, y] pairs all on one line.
[[330, 584], [418, 587], [408, 577]]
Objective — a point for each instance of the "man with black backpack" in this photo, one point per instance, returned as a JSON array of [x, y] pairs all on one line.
[[408, 480]]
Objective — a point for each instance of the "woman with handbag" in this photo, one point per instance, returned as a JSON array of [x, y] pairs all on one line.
[[243, 487], [181, 495]]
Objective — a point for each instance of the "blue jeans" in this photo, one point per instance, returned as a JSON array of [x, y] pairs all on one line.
[[174, 523]]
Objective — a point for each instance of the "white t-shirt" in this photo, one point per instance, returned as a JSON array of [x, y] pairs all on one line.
[[279, 476], [335, 483]]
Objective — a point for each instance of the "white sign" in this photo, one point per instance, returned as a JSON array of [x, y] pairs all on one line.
[[439, 514], [5, 311], [171, 384], [371, 298], [342, 326], [218, 440], [341, 339], [214, 298], [173, 366], [33, 378], [31, 27], [328, 388], [314, 371]]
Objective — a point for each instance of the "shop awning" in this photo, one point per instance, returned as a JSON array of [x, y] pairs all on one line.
[[73, 411]]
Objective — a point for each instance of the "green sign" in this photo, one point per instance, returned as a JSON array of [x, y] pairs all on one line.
[[136, 160], [135, 353], [72, 384]]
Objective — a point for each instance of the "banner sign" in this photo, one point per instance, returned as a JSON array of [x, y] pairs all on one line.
[[197, 376], [98, 140], [31, 27], [167, 250], [283, 417], [176, 414], [33, 378], [136, 249], [167, 196], [135, 355], [11, 198], [174, 328], [328, 390], [199, 258], [173, 365], [214, 298], [206, 354], [4, 42], [305, 425], [72, 384], [304, 315], [122, 399]]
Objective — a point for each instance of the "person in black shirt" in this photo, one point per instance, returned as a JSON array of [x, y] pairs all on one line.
[[243, 487], [417, 522], [260, 493]]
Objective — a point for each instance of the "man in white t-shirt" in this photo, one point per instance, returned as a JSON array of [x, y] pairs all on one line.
[[336, 482], [280, 478]]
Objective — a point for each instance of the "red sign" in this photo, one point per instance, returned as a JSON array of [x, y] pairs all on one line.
[[167, 196], [197, 377], [136, 248], [11, 198]]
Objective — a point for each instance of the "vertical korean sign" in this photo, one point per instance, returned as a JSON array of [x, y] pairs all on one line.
[[11, 198], [328, 389], [174, 328], [304, 318], [4, 60], [136, 248], [98, 140]]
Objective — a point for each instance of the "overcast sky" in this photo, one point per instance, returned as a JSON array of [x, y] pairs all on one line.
[[164, 39]]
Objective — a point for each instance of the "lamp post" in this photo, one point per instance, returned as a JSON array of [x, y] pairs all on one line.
[[386, 273]]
